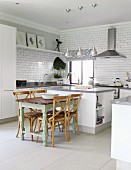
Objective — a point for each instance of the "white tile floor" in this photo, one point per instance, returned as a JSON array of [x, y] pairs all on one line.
[[84, 152]]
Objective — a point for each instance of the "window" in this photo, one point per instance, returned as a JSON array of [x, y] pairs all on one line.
[[81, 70]]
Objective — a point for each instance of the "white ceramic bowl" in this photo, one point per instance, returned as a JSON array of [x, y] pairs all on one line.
[[48, 95]]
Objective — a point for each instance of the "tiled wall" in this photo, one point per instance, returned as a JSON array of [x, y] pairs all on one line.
[[32, 65], [106, 70]]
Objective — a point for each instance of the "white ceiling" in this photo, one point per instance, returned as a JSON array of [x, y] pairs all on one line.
[[52, 12]]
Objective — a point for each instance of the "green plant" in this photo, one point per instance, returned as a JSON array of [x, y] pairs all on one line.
[[58, 64], [57, 75]]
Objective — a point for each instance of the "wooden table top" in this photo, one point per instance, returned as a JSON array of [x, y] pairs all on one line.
[[37, 100]]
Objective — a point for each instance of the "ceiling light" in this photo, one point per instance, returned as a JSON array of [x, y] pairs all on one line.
[[17, 3], [79, 53], [93, 51], [67, 54], [94, 5]]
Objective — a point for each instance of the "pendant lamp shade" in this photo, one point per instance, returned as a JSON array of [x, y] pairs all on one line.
[[93, 51], [67, 54], [79, 53]]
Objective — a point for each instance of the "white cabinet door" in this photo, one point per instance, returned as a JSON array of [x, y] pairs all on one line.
[[8, 58], [8, 105], [8, 71], [0, 65], [125, 93]]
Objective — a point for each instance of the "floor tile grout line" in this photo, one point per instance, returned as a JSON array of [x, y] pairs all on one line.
[[10, 165], [58, 160], [18, 154], [105, 164]]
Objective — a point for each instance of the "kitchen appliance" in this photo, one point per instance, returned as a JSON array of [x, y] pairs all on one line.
[[117, 82], [116, 92], [111, 52], [20, 83]]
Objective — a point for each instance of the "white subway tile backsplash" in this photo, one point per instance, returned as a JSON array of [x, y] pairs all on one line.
[[33, 65], [106, 70]]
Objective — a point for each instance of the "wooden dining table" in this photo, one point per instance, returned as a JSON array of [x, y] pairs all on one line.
[[40, 104]]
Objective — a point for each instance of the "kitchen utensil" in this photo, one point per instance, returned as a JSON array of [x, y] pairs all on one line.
[[117, 82], [129, 76]]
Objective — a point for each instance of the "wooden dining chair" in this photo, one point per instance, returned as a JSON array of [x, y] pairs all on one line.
[[31, 116], [74, 100], [37, 92], [57, 116]]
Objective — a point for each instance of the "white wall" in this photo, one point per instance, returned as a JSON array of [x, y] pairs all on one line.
[[50, 38], [32, 65], [106, 70]]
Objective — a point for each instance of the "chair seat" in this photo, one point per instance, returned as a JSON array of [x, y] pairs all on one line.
[[57, 118], [32, 114], [73, 113], [50, 111]]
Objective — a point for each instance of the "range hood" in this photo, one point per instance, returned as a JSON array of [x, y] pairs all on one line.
[[111, 52]]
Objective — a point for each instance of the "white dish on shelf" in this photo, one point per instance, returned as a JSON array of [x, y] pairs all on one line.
[[48, 95]]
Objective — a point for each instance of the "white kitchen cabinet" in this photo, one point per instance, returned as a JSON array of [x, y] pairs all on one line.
[[121, 134], [0, 66], [8, 105], [7, 71], [125, 92], [8, 58], [88, 111]]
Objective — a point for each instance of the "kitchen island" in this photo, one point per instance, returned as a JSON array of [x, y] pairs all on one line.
[[94, 109], [121, 133]]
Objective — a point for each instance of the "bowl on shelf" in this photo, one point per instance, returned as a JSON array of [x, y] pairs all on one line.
[[48, 95]]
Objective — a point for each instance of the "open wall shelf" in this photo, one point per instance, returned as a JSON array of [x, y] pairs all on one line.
[[38, 49]]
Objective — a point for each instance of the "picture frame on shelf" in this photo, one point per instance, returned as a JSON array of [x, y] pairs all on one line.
[[40, 42], [31, 40], [21, 38]]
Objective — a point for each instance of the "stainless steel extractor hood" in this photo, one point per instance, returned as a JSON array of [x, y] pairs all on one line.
[[111, 52]]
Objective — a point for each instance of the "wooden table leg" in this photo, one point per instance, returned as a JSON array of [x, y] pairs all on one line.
[[22, 121], [74, 125], [44, 125]]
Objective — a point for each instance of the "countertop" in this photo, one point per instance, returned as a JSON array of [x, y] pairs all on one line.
[[122, 101], [118, 87], [68, 88], [73, 89], [53, 84], [37, 85]]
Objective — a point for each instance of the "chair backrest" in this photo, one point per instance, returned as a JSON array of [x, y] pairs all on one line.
[[36, 93], [74, 100], [60, 104], [22, 94]]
